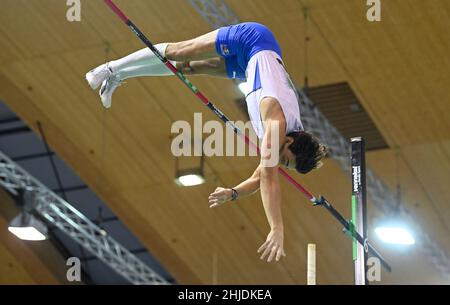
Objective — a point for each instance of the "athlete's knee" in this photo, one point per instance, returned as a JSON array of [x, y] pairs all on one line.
[[181, 51], [172, 51], [185, 67]]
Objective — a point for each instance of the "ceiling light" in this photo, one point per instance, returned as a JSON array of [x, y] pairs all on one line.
[[190, 179], [189, 171], [395, 234], [27, 227], [243, 88]]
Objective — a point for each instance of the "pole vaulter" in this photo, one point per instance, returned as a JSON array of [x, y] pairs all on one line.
[[348, 226]]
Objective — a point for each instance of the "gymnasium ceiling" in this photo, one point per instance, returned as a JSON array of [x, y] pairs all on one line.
[[398, 68]]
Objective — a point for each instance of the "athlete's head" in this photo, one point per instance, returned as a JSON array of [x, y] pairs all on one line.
[[302, 151]]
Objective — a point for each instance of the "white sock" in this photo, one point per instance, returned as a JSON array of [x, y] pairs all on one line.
[[139, 58], [157, 69]]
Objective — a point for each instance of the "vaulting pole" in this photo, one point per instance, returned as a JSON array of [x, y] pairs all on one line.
[[322, 201]]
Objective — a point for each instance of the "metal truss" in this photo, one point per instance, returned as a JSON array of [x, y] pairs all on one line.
[[217, 14], [73, 223]]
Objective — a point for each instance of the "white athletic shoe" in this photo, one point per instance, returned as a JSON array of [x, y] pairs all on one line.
[[96, 76], [107, 89]]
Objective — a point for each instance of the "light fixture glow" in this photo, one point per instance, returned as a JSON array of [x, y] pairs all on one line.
[[190, 180], [27, 227], [27, 233], [243, 88], [395, 235]]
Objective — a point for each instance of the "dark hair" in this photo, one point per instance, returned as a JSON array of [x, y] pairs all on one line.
[[307, 150]]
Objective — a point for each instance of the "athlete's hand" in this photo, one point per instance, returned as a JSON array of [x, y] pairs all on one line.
[[220, 196], [273, 246]]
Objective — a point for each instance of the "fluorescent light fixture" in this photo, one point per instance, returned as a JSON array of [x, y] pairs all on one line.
[[190, 180], [395, 235], [27, 227], [243, 88], [190, 177], [27, 233]]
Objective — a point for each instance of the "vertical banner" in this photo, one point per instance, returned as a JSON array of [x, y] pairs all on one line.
[[359, 209]]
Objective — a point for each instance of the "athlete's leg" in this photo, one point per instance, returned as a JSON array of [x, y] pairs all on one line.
[[198, 54], [213, 66], [199, 48], [143, 70], [139, 58], [145, 62]]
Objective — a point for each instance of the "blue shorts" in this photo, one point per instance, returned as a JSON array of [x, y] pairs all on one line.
[[238, 43]]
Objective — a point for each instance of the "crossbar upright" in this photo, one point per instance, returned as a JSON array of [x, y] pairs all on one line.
[[359, 208]]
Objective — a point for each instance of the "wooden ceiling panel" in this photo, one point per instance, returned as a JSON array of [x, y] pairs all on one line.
[[425, 211], [205, 230], [11, 271], [104, 125], [436, 155]]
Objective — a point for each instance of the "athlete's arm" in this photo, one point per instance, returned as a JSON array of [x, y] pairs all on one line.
[[274, 126], [243, 189], [212, 66]]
